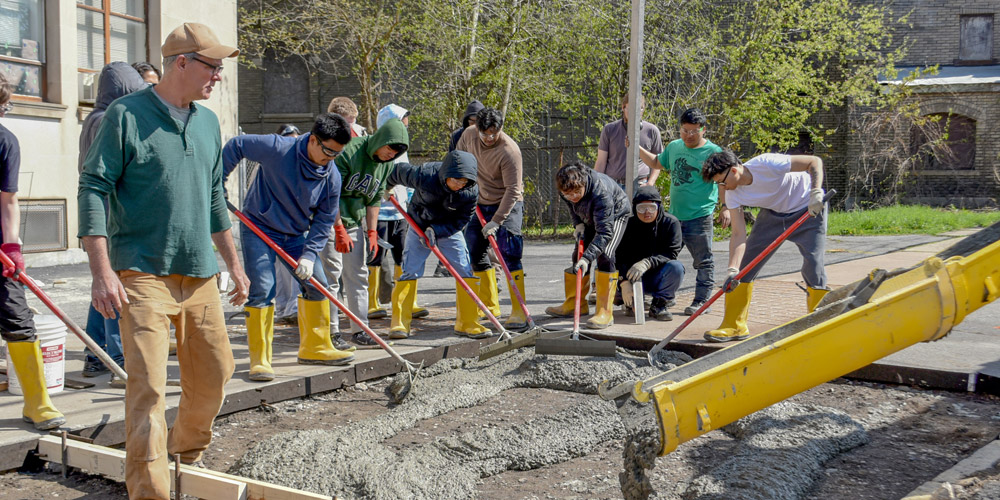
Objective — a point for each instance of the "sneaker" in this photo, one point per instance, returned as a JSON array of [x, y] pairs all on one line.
[[362, 339], [693, 308], [94, 369], [290, 320], [441, 272], [671, 303], [658, 310], [340, 344]]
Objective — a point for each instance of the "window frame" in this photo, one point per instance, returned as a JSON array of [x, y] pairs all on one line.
[[42, 83], [107, 13]]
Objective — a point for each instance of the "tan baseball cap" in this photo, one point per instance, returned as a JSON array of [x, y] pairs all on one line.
[[197, 38]]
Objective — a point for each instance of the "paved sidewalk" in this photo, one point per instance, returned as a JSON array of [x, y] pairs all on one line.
[[970, 354]]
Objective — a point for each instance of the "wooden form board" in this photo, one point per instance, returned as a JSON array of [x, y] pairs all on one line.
[[201, 483]]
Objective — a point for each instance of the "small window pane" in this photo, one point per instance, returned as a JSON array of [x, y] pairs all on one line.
[[89, 39], [87, 86], [134, 8], [25, 78], [976, 42], [91, 3], [21, 24], [128, 40]]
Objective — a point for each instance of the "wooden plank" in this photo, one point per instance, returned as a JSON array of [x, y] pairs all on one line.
[[202, 483]]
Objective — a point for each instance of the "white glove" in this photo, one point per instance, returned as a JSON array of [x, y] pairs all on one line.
[[581, 265], [490, 229], [732, 271], [638, 269], [304, 270], [816, 201], [578, 231], [731, 282], [628, 296]]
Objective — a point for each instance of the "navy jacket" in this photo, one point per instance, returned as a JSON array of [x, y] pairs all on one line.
[[602, 204], [433, 203], [470, 111], [660, 240]]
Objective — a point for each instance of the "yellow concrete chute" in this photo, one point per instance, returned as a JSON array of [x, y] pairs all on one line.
[[853, 327]]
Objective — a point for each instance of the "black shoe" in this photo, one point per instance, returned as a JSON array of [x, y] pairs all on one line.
[[441, 272], [340, 344], [658, 310], [693, 308], [94, 369], [618, 299], [671, 303], [362, 339]]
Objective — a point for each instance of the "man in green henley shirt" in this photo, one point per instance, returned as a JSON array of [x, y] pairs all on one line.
[[158, 157]]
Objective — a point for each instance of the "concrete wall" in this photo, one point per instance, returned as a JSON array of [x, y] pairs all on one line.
[[49, 131]]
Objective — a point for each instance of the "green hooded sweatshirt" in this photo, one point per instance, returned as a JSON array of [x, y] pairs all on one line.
[[363, 174]]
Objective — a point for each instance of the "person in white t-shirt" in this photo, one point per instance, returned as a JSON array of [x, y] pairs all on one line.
[[784, 187]]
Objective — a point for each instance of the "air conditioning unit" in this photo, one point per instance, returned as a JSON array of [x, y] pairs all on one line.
[[43, 225]]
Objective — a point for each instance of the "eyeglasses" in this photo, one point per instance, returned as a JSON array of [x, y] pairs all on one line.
[[488, 137], [646, 208], [327, 151], [6, 108], [691, 132], [723, 181], [216, 69]]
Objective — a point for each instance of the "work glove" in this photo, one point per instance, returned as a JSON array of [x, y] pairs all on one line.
[[13, 251], [578, 231], [431, 237], [304, 270], [731, 281], [372, 242], [342, 242], [490, 229], [628, 295], [581, 265], [638, 269], [816, 201]]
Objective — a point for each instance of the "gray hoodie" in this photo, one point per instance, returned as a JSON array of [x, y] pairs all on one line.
[[117, 79]]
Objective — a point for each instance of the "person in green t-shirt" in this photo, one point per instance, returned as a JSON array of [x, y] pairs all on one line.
[[692, 200]]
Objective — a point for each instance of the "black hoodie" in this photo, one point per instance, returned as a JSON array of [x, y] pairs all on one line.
[[433, 203], [602, 204], [470, 111], [659, 240]]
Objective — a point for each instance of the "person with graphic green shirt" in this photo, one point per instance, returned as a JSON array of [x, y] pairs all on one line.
[[364, 165], [692, 200]]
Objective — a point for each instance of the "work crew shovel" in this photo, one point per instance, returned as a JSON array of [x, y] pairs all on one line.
[[400, 391], [451, 269], [506, 342], [556, 342], [73, 327], [746, 269]]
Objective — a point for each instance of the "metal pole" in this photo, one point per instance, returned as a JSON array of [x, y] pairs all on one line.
[[634, 93]]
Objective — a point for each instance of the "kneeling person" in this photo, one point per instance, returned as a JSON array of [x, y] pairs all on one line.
[[442, 204], [652, 241], [600, 211]]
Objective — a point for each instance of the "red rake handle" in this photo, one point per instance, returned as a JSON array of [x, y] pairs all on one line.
[[746, 269], [506, 270], [315, 283], [89, 342], [579, 288], [454, 273]]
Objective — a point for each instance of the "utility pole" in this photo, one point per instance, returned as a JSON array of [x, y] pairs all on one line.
[[634, 94]]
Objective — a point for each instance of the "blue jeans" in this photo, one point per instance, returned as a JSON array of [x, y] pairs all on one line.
[[697, 235], [415, 254], [663, 281], [258, 262], [106, 335], [508, 237]]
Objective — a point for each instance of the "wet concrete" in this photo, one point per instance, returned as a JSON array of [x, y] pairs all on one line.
[[352, 462]]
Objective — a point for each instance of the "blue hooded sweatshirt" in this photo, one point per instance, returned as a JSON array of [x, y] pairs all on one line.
[[290, 194]]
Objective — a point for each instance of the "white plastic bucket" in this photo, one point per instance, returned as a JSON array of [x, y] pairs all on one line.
[[51, 333]]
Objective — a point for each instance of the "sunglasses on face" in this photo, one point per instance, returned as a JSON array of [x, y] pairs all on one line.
[[328, 152]]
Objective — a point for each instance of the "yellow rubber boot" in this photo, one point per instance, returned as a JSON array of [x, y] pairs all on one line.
[[260, 336], [488, 291], [466, 317], [603, 315], [375, 311], [565, 310], [315, 347], [813, 296], [38, 408], [517, 319], [402, 308], [417, 311], [734, 322]]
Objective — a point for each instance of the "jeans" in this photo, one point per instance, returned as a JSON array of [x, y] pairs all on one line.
[[810, 238], [259, 259], [697, 235], [106, 335], [415, 254], [508, 238], [663, 281]]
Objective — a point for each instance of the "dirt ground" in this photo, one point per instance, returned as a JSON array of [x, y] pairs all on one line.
[[915, 435]]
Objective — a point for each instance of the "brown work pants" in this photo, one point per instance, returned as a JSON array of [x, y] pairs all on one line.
[[206, 363]]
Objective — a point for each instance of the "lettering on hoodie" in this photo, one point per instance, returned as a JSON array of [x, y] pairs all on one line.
[[367, 184]]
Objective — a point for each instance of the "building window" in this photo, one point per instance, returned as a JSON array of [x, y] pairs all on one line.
[[106, 31], [22, 46], [947, 142], [976, 41]]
